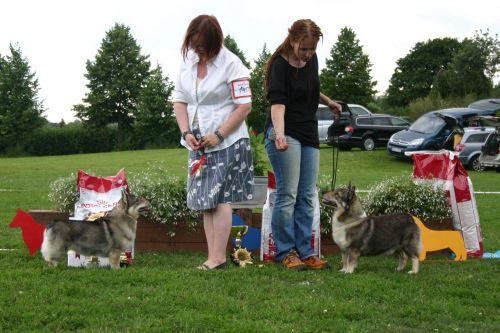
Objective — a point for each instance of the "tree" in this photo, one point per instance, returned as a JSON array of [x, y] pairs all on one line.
[[116, 77], [472, 68], [231, 45], [347, 73], [20, 108], [415, 73], [155, 122], [260, 106]]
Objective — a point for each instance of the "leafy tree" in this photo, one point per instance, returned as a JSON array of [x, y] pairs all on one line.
[[416, 72], [472, 68], [260, 106], [116, 77], [20, 108], [231, 45], [347, 73], [155, 122]]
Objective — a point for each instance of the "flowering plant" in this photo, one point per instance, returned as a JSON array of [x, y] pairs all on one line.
[[166, 194], [395, 195], [403, 195]]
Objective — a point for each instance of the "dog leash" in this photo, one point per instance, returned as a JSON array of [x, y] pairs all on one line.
[[335, 159]]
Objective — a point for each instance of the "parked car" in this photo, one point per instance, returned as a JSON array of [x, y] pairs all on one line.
[[434, 130], [371, 131], [490, 152], [470, 146], [325, 118]]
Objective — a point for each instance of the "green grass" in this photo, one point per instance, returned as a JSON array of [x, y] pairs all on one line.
[[163, 292]]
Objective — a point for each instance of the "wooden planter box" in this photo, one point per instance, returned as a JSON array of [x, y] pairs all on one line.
[[154, 237]]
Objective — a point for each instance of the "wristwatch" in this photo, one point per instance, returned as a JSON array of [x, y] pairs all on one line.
[[186, 133], [219, 135]]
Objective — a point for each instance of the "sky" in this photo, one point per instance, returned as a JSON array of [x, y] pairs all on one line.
[[58, 37]]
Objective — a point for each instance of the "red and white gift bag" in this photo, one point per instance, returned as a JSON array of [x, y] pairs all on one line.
[[445, 169], [96, 195], [267, 247]]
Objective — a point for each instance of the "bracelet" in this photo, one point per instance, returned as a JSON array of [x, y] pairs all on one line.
[[221, 138], [184, 134]]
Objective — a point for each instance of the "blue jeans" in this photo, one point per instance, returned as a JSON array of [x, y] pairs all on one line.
[[296, 172]]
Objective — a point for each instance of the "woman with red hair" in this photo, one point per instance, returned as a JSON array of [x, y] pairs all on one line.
[[292, 143], [211, 99]]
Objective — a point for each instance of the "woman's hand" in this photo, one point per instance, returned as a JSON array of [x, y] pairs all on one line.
[[192, 142], [335, 107], [280, 142], [210, 140]]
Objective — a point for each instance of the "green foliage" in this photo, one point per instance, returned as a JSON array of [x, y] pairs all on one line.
[[259, 163], [62, 193], [403, 195], [472, 69], [415, 73], [20, 108], [431, 103], [166, 193], [231, 45], [115, 79], [155, 124], [260, 105], [347, 74], [71, 139]]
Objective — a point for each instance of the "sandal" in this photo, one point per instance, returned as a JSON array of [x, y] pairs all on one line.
[[206, 268]]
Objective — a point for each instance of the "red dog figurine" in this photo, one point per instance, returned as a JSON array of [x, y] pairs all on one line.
[[32, 231]]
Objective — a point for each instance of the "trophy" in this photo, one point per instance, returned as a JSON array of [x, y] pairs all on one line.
[[240, 256]]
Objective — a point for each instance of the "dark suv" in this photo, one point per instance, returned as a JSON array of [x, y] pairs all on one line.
[[369, 132]]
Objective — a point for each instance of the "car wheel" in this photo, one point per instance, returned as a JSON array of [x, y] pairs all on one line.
[[368, 143], [475, 164]]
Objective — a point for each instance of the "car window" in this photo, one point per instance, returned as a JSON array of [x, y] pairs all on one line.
[[324, 113], [364, 121], [427, 124], [398, 122], [477, 138], [381, 121], [358, 111]]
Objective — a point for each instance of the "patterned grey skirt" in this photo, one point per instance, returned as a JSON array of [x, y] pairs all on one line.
[[226, 176]]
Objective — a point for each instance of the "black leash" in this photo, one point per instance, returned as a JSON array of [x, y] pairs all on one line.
[[335, 159], [335, 152]]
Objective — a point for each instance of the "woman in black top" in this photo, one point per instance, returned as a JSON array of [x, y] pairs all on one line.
[[292, 143]]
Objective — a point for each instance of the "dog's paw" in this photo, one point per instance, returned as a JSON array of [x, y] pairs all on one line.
[[412, 272], [342, 270]]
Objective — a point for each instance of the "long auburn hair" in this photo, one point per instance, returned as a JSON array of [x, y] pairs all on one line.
[[296, 33], [210, 32]]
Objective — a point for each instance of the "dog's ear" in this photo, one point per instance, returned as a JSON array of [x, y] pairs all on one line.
[[123, 200]]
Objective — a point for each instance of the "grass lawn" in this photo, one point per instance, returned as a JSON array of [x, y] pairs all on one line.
[[163, 292]]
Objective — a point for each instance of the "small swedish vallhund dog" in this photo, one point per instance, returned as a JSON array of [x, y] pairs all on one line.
[[357, 234], [107, 236]]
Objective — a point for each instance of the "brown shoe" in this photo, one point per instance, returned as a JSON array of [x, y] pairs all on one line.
[[292, 261], [313, 262]]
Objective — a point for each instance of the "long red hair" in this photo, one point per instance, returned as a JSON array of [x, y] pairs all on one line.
[[297, 32]]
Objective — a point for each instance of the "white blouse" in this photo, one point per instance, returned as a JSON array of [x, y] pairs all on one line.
[[225, 86]]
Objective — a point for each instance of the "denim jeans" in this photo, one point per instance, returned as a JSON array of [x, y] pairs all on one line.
[[296, 172]]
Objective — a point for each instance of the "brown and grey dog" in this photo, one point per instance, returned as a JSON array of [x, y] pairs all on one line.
[[358, 234], [107, 236]]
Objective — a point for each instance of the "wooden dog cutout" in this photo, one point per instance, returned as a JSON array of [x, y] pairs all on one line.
[[435, 240]]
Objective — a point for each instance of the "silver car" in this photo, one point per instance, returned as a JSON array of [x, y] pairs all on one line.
[[470, 146], [325, 118], [490, 154]]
